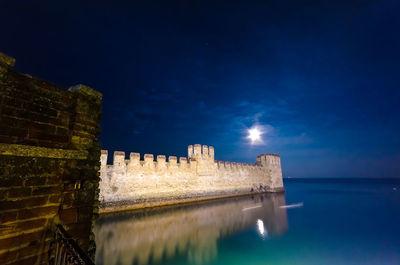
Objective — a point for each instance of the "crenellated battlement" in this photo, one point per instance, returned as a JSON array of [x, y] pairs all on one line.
[[134, 160], [201, 152], [198, 173]]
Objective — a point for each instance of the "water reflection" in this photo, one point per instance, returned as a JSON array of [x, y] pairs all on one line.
[[192, 231]]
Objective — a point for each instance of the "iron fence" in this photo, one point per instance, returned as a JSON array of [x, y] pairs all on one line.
[[67, 251]]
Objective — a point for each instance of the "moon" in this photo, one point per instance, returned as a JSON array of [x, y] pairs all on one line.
[[254, 135]]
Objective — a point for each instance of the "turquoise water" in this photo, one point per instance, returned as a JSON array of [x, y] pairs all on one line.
[[332, 222]]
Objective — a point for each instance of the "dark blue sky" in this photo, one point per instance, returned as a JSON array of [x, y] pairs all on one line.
[[321, 78]]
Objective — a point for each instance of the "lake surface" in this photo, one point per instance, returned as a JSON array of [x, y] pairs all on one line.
[[334, 221]]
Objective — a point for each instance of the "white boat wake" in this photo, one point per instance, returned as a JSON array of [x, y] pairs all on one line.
[[295, 205], [252, 207]]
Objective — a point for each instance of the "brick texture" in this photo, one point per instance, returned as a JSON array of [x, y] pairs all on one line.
[[39, 191]]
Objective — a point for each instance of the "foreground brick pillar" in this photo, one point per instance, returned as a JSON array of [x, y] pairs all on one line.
[[49, 163]]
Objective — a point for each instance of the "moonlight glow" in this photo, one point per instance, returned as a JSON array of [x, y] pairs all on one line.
[[254, 135]]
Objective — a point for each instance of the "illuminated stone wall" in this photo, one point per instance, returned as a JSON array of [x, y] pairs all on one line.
[[135, 183], [49, 163]]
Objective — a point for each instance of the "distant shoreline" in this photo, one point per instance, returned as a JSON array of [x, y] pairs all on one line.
[[340, 178], [348, 180]]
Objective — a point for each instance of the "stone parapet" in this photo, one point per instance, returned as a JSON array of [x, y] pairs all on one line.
[[198, 176]]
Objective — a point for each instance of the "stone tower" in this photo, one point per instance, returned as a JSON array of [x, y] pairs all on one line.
[[272, 164], [204, 155]]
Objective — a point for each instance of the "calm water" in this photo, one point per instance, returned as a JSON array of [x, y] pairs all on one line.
[[340, 222]]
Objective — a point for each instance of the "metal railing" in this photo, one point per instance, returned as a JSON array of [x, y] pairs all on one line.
[[67, 251]]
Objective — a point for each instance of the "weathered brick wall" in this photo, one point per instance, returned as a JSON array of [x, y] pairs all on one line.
[[49, 163]]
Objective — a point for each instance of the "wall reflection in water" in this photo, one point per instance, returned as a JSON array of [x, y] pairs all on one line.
[[155, 236]]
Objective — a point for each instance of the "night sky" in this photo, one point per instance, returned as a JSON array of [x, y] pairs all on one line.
[[321, 79]]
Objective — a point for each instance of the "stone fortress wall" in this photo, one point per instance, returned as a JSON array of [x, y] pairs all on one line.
[[146, 182]]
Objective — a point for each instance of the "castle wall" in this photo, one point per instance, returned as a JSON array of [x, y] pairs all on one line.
[[49, 162], [134, 182]]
